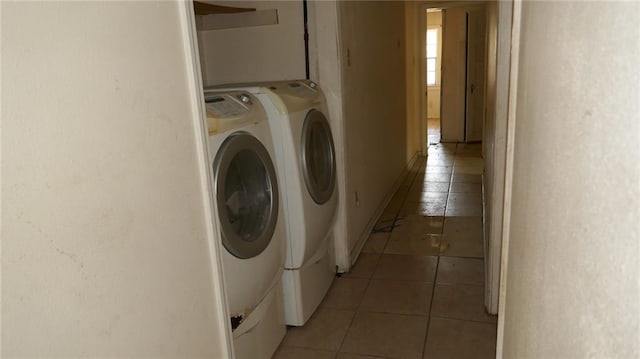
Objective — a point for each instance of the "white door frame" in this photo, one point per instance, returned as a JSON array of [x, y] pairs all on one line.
[[508, 173], [422, 70], [192, 56]]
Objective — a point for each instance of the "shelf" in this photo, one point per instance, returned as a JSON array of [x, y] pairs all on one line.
[[216, 17], [203, 8]]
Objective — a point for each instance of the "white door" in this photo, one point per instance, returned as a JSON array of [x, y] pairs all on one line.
[[475, 74]]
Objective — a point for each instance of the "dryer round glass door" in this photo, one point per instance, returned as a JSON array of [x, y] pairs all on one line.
[[318, 157], [246, 193]]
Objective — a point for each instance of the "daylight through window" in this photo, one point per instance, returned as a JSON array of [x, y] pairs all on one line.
[[432, 54]]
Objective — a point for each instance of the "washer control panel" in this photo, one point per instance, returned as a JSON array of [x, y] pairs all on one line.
[[229, 105]]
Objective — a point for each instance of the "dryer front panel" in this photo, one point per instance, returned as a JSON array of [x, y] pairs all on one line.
[[317, 157], [246, 194]]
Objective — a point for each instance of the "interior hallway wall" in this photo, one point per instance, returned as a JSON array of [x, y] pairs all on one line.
[[105, 230], [372, 38], [256, 53], [573, 278], [415, 121]]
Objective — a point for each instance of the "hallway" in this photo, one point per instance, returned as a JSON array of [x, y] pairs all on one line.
[[416, 290]]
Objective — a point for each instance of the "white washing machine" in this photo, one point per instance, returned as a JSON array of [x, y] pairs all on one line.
[[250, 219], [305, 155]]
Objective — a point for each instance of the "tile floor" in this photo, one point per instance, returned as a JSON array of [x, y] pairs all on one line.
[[433, 130], [416, 290]]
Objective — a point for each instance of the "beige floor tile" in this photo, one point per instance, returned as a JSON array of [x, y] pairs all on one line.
[[457, 187], [416, 235], [428, 208], [466, 161], [376, 242], [386, 335], [399, 297], [465, 302], [464, 210], [469, 148], [438, 169], [364, 266], [469, 154], [465, 177], [462, 237], [425, 245], [431, 187], [454, 270], [437, 177], [325, 330], [447, 146], [449, 339], [355, 356], [285, 352], [461, 247], [468, 226], [345, 293], [437, 148], [440, 156], [416, 225], [464, 199], [471, 170], [439, 162], [427, 196], [402, 267]]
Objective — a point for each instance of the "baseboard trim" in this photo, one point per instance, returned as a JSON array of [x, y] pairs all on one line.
[[364, 235]]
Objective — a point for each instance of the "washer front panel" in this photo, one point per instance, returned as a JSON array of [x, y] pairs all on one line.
[[246, 193], [318, 157]]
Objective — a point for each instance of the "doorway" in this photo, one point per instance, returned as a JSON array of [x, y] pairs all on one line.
[[455, 79], [433, 65]]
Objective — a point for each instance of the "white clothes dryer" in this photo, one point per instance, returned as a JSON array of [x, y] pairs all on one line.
[[250, 220], [305, 157]]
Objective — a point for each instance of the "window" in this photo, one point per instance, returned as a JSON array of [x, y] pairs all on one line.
[[432, 56]]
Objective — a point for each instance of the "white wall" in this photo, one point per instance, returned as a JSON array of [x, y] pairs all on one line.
[[257, 53], [105, 227], [572, 281], [374, 104]]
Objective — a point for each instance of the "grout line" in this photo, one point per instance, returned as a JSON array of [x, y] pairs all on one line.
[[435, 278], [357, 308], [433, 294]]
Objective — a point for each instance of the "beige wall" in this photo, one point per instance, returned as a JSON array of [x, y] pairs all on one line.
[[573, 253], [434, 21], [374, 106], [256, 53], [105, 234], [416, 132]]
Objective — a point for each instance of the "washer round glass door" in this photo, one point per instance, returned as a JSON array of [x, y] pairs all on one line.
[[246, 192], [318, 157]]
